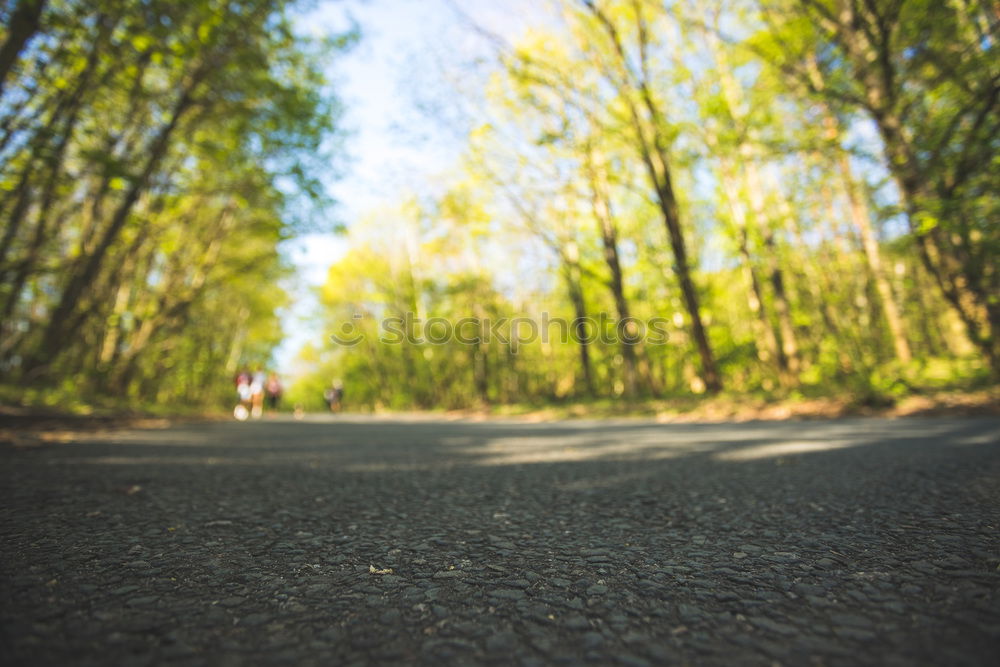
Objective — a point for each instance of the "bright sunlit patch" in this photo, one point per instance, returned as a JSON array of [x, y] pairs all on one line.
[[782, 449], [648, 444], [987, 438]]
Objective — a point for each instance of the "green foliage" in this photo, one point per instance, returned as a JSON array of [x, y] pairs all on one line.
[[153, 156], [803, 193], [925, 75], [790, 208]]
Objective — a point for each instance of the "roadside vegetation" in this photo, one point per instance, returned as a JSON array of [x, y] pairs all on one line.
[[153, 154], [689, 204], [801, 194]]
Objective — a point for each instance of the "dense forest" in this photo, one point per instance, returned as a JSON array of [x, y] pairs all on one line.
[[153, 153], [655, 199], [782, 197]]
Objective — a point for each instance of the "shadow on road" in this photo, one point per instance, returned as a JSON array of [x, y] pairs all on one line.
[[373, 541], [362, 444]]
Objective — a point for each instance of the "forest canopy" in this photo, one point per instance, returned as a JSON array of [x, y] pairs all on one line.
[[801, 195], [153, 154], [654, 199]]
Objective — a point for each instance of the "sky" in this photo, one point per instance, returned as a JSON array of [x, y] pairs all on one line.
[[409, 54]]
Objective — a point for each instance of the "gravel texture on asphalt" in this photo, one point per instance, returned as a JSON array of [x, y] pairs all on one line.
[[361, 541]]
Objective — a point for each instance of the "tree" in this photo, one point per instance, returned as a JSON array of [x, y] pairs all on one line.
[[152, 154], [22, 24], [651, 137], [926, 75]]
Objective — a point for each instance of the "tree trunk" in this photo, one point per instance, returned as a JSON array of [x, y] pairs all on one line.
[[929, 322], [789, 346], [24, 23], [862, 221], [775, 347], [671, 216], [650, 145], [23, 197], [481, 375], [861, 218], [574, 288], [608, 229], [874, 69], [789, 342], [766, 342]]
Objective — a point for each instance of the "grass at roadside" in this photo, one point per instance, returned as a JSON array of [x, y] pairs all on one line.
[[747, 407], [932, 387], [66, 400]]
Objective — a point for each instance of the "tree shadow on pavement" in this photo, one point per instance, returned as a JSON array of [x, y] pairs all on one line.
[[857, 540]]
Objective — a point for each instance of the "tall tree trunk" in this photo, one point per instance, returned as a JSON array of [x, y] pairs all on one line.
[[766, 344], [24, 23], [484, 371], [567, 252], [929, 322], [63, 105], [788, 357], [755, 191], [814, 282], [109, 347], [671, 214], [574, 288], [841, 272], [861, 218], [23, 195], [636, 376], [651, 145], [782, 307]]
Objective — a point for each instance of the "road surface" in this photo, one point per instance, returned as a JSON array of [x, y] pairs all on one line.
[[361, 541]]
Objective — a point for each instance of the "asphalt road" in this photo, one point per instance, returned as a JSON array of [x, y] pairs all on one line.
[[363, 541]]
